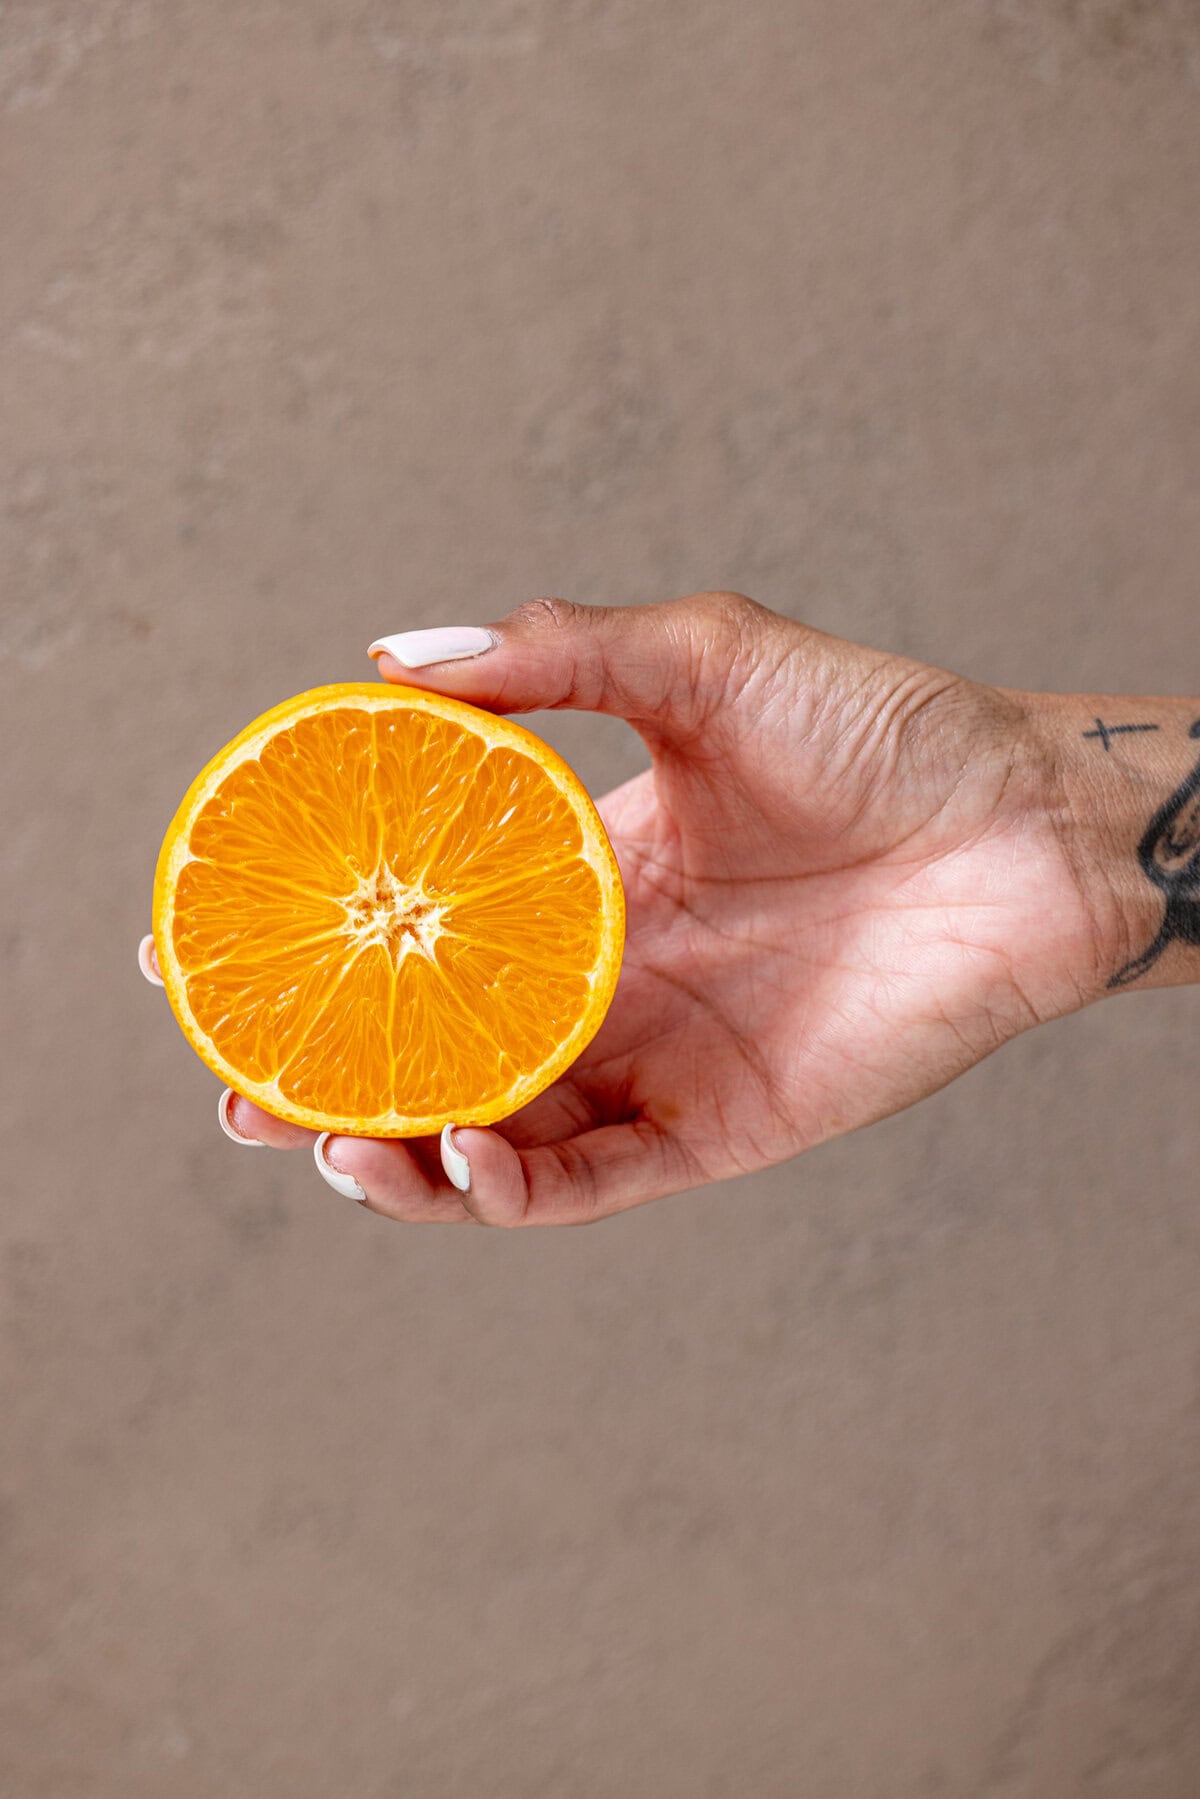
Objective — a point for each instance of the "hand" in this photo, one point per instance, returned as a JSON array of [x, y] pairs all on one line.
[[848, 876]]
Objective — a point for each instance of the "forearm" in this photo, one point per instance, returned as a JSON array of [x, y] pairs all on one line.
[[1124, 796]]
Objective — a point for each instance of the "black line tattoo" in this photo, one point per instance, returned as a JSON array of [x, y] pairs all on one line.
[[1170, 857], [1106, 733]]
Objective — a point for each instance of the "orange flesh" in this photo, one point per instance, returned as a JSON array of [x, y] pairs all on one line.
[[388, 920]]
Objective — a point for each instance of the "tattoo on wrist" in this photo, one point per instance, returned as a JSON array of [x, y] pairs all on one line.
[[1170, 857], [1106, 733]]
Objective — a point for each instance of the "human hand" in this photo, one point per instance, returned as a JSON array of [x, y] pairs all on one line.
[[849, 877]]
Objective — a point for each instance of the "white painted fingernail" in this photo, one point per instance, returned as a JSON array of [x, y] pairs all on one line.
[[444, 643], [148, 961], [223, 1121], [458, 1169], [345, 1184]]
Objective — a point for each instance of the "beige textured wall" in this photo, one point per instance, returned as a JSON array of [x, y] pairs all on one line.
[[874, 1478]]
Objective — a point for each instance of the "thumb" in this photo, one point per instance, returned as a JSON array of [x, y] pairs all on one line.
[[664, 668]]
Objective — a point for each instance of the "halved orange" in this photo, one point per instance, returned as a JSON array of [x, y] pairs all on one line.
[[378, 911]]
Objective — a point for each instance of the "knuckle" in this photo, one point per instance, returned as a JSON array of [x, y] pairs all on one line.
[[724, 637], [729, 628], [580, 1181], [730, 615], [546, 613]]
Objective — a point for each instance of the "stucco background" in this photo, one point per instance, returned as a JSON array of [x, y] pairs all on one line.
[[876, 1477]]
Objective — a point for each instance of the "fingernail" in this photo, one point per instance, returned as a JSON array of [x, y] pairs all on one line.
[[227, 1127], [345, 1184], [148, 961], [444, 643], [458, 1169]]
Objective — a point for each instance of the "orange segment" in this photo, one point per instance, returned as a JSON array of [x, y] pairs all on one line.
[[379, 910]]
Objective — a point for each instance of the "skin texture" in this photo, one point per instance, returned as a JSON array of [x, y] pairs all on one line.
[[850, 877]]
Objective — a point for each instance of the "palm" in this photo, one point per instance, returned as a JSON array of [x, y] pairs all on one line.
[[805, 965]]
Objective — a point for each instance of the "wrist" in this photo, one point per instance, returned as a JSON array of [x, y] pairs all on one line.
[[1120, 789]]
